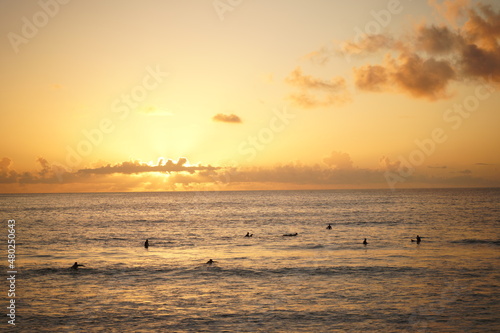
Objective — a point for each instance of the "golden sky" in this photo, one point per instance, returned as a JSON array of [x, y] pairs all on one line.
[[234, 95]]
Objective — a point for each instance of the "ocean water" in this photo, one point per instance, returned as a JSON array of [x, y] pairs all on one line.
[[319, 281]]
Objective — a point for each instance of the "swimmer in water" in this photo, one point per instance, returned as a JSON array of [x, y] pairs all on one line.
[[329, 227], [76, 265], [146, 244], [210, 262], [365, 242], [290, 235], [248, 234]]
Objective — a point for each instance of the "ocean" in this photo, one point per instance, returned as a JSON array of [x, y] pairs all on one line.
[[318, 281]]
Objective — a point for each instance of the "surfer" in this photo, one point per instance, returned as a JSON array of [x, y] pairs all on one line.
[[146, 244], [418, 240], [76, 265], [248, 234], [210, 262], [290, 235], [329, 227], [365, 242]]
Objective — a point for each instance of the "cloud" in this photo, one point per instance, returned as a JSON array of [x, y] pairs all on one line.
[[227, 118], [48, 173], [410, 74], [300, 80], [483, 27], [423, 63], [371, 78], [312, 175], [314, 92], [337, 171], [137, 167], [437, 166], [451, 10], [320, 57], [484, 164], [480, 63], [368, 44], [437, 40], [338, 160], [7, 176], [388, 165], [422, 78]]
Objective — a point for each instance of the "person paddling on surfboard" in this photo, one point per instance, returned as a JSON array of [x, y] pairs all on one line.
[[146, 244], [76, 265]]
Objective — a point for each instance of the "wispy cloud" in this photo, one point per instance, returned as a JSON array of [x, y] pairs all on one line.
[[315, 92]]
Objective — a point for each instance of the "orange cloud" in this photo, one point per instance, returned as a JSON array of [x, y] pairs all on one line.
[[451, 10], [227, 118]]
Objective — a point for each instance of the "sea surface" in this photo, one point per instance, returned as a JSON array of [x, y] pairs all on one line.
[[318, 281]]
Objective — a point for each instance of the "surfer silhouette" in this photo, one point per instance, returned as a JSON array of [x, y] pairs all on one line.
[[210, 262], [76, 265], [290, 235], [329, 227], [418, 240], [146, 244], [248, 234], [365, 242]]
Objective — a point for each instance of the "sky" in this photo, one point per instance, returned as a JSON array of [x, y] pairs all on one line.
[[248, 95]]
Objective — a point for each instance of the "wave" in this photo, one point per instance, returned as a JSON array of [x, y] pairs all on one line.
[[220, 270], [307, 246], [472, 241]]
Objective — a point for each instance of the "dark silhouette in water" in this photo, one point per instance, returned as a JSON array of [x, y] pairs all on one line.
[[76, 265], [329, 227], [365, 242], [290, 235], [146, 244], [418, 240], [248, 234], [210, 262]]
